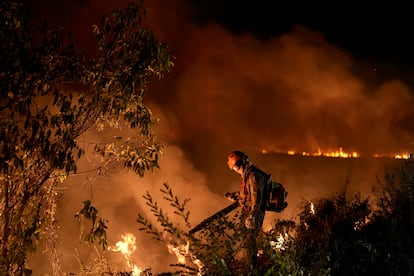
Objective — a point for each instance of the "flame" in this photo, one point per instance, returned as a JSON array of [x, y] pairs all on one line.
[[312, 208], [127, 247], [402, 156], [278, 245], [182, 252], [340, 153]]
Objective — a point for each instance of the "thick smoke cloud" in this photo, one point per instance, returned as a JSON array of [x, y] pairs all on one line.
[[233, 91], [295, 91]]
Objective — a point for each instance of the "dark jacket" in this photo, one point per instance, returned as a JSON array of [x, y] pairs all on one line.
[[252, 193]]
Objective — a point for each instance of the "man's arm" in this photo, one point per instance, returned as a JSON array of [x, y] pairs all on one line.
[[256, 197], [256, 193]]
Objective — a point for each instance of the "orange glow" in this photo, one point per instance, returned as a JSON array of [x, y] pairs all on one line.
[[402, 156], [312, 208], [127, 247], [340, 153], [279, 243], [179, 251], [182, 252]]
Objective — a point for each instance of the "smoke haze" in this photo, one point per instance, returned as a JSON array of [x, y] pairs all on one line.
[[230, 92]]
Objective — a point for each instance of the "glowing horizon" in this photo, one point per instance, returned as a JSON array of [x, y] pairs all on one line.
[[340, 153]]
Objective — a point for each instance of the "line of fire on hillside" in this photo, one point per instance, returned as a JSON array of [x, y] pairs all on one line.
[[340, 153]]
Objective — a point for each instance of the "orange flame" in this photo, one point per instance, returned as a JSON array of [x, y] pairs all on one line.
[[279, 244], [182, 252], [311, 208], [127, 247], [179, 251], [340, 153]]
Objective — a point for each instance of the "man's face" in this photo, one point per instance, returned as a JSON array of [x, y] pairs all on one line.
[[237, 169], [234, 164]]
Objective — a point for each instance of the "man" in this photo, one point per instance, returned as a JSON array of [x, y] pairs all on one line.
[[251, 198]]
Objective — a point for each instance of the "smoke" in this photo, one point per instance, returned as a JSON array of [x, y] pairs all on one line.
[[294, 91], [119, 199], [230, 92]]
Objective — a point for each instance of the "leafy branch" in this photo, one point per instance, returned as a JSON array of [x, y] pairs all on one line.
[[163, 218], [98, 226]]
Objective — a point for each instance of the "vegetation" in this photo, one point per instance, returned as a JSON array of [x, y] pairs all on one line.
[[50, 96], [333, 236]]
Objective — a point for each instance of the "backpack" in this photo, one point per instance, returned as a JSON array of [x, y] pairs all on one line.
[[275, 194]]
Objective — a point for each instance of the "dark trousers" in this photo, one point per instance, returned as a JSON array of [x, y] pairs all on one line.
[[250, 246]]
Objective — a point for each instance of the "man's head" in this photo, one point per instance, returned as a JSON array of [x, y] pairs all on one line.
[[237, 160]]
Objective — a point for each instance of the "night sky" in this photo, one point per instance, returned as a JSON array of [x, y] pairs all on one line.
[[258, 76], [379, 33]]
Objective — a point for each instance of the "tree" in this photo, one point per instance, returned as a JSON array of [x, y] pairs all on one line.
[[51, 95]]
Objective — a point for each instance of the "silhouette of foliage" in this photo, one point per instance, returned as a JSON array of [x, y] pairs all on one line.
[[356, 237], [51, 95], [98, 225], [215, 250]]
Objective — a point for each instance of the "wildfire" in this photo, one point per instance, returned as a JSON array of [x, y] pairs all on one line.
[[311, 208], [179, 251], [127, 247], [340, 153], [182, 252], [280, 242], [402, 156]]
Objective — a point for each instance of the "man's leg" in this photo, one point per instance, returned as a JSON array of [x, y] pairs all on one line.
[[253, 236], [252, 248]]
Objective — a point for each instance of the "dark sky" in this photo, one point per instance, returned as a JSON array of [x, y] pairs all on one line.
[[379, 33], [376, 30]]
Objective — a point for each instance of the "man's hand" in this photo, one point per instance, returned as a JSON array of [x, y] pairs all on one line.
[[249, 222], [234, 196]]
